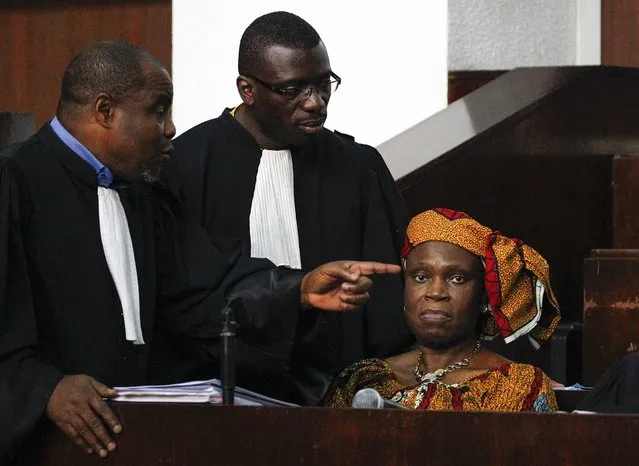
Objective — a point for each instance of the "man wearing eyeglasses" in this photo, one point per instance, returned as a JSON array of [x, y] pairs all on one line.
[[269, 173]]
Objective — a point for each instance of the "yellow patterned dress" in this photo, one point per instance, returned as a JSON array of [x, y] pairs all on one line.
[[509, 387]]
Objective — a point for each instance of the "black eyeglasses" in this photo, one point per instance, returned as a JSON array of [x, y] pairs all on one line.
[[324, 88]]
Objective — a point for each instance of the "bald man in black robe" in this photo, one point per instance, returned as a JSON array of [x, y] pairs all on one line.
[[66, 326]]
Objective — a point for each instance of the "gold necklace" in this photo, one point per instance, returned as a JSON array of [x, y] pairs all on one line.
[[439, 374]]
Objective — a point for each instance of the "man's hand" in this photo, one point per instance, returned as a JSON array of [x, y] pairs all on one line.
[[78, 408], [341, 286]]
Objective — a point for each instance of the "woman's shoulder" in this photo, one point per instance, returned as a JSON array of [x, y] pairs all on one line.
[[364, 370], [515, 372], [518, 387], [498, 366], [367, 373], [525, 370]]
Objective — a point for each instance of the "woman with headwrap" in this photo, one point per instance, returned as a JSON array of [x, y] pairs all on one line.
[[464, 283]]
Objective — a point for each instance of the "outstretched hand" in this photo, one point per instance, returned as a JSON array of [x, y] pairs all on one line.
[[77, 407], [341, 285]]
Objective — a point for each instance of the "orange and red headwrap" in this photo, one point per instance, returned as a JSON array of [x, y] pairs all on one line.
[[516, 276]]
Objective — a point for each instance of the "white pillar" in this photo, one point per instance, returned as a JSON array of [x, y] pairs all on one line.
[[588, 32], [506, 34]]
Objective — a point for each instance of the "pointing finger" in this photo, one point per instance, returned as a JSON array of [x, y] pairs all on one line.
[[372, 268]]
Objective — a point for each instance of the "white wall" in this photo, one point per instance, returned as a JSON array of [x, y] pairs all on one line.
[[498, 34], [505, 34], [392, 57]]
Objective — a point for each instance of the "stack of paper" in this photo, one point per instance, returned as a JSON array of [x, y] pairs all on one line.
[[201, 391], [188, 392], [574, 388]]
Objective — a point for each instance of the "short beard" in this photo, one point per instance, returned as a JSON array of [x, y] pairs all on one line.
[[153, 168], [150, 176]]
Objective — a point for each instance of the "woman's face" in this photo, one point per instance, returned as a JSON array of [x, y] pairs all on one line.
[[443, 293]]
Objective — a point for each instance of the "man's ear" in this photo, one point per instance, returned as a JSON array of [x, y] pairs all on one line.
[[246, 90], [104, 109]]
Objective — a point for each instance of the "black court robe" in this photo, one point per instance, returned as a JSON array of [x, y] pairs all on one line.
[[59, 309], [347, 206]]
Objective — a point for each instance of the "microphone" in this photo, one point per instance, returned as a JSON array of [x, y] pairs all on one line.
[[369, 398], [227, 363]]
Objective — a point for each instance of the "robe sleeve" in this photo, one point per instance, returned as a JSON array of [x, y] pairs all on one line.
[[384, 226], [26, 380], [391, 199], [199, 275]]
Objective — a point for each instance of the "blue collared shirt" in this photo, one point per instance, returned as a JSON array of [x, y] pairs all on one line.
[[105, 177]]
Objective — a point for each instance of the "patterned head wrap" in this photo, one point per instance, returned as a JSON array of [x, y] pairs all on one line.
[[516, 276]]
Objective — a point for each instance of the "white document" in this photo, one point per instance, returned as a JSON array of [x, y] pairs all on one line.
[[200, 391]]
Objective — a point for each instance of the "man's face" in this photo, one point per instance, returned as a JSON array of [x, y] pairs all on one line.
[[143, 128], [291, 122]]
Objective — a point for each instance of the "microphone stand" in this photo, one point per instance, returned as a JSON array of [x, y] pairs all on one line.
[[227, 369]]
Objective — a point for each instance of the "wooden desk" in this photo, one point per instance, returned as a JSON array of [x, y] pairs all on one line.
[[156, 434], [611, 309]]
